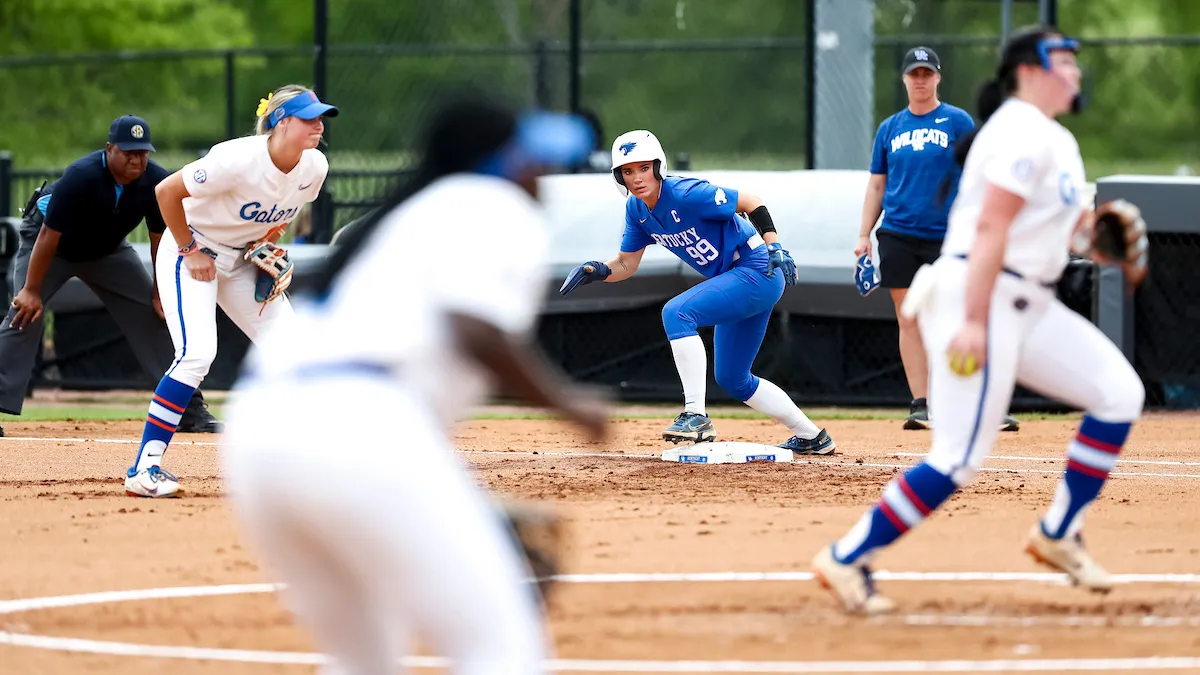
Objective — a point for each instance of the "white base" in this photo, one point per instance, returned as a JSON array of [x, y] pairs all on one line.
[[726, 453]]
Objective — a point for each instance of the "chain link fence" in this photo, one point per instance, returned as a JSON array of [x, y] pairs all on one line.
[[724, 85]]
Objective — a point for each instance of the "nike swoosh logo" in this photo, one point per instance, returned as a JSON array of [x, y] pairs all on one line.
[[940, 120], [305, 187], [642, 220]]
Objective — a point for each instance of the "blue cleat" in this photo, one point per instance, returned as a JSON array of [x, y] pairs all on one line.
[[690, 427], [821, 445]]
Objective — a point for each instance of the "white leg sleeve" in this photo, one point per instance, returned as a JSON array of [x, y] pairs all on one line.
[[774, 402], [692, 362]]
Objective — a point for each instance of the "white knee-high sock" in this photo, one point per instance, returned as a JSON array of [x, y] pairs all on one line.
[[775, 403], [692, 362]]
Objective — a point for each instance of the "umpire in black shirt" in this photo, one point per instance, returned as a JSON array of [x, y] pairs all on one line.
[[77, 228]]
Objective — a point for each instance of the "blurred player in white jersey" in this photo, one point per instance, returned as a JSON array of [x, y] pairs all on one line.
[[225, 213], [990, 319], [377, 536]]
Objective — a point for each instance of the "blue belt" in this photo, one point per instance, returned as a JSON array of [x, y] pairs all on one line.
[[316, 371], [1014, 273]]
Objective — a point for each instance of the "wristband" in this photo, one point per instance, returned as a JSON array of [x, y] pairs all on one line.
[[761, 219], [191, 248]]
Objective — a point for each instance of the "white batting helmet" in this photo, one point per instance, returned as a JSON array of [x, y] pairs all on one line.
[[637, 146]]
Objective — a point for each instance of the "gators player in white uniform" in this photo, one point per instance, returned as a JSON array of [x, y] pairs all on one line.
[[224, 213], [699, 223], [376, 536], [989, 317]]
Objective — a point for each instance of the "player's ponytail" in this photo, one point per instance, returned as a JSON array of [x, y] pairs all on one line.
[[991, 96], [1022, 47], [461, 135]]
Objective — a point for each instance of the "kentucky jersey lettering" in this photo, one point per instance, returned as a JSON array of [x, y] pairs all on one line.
[[916, 153], [693, 219], [918, 138], [677, 239]]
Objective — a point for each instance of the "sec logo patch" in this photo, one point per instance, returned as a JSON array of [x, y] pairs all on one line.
[[200, 176]]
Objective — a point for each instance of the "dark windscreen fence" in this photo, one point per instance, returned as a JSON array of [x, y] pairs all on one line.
[[1166, 316]]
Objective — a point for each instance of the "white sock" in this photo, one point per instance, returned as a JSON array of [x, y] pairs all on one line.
[[692, 362], [775, 403], [151, 455]]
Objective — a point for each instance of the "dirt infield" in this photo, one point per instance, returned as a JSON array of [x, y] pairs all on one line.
[[69, 529]]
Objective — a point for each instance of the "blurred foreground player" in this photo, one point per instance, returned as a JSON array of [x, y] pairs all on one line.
[[374, 534]]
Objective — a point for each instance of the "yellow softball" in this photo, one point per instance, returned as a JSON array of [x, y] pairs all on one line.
[[964, 365]]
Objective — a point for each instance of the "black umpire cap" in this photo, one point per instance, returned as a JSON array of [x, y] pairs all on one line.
[[130, 132], [921, 57]]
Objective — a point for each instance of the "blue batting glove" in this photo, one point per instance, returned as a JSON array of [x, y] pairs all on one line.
[[865, 278], [783, 260], [585, 274]]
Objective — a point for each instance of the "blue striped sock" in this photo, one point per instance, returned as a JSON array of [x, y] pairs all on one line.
[[906, 502], [166, 408], [1090, 457]]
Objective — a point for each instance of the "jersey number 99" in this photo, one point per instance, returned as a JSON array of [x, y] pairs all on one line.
[[703, 252]]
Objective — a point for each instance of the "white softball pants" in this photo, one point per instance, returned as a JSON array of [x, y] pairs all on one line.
[[190, 306], [375, 534], [1033, 340]]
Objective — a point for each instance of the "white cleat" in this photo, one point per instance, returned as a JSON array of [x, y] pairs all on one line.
[[1068, 555], [851, 584], [151, 482]]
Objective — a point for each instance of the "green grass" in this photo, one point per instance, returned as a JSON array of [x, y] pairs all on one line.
[[62, 413]]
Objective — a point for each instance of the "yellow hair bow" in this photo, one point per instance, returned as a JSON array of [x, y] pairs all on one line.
[[262, 106]]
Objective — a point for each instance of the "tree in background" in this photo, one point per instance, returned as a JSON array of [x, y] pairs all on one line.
[[53, 112], [732, 106]]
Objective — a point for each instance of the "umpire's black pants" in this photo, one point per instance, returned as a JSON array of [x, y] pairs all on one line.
[[120, 281]]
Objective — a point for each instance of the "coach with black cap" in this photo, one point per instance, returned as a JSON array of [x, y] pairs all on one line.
[[913, 182], [76, 227]]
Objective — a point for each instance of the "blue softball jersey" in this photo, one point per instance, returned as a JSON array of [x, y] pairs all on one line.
[[695, 220], [917, 154]]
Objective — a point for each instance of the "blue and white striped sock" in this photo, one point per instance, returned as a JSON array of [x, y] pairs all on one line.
[[906, 502], [166, 409], [1090, 457]]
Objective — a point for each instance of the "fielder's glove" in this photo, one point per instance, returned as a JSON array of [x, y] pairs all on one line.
[[585, 274], [539, 533], [781, 259], [274, 270], [1118, 237]]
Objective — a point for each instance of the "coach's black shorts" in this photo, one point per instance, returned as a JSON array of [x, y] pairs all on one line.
[[901, 255]]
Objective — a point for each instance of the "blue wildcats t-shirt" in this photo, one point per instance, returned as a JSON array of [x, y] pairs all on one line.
[[917, 153], [694, 219]]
